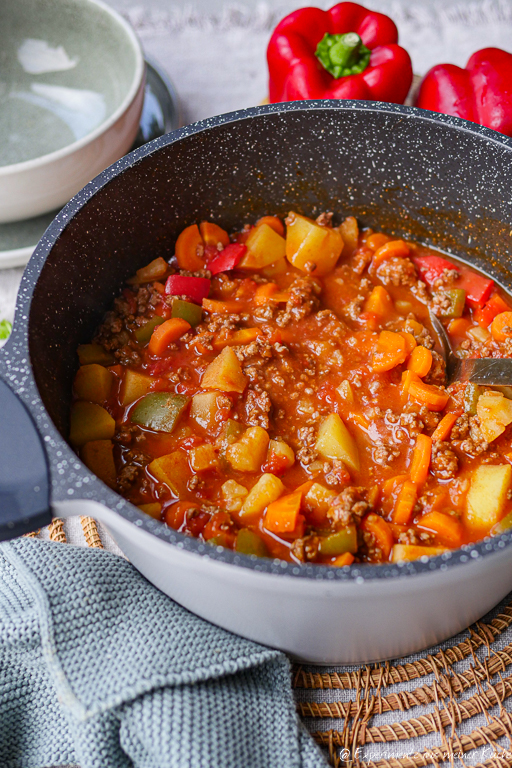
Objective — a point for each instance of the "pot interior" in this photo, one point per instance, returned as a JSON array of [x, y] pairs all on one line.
[[394, 169]]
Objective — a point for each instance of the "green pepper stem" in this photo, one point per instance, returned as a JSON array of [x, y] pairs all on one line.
[[343, 55]]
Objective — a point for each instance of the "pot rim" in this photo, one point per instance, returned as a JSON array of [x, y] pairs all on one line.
[[79, 482]]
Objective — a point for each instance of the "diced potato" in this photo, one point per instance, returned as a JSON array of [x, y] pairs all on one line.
[[225, 373], [89, 422], [281, 455], [233, 495], [154, 509], [248, 453], [267, 489], [264, 247], [487, 496], [335, 442], [134, 385], [203, 457], [345, 391], [319, 498], [94, 353], [173, 470], [350, 234], [309, 243], [402, 552], [205, 409], [153, 271], [495, 414], [277, 268], [93, 383], [99, 458]]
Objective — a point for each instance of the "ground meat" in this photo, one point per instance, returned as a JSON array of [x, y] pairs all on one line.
[[441, 303], [361, 259], [354, 308], [257, 407], [467, 436], [135, 460], [384, 454], [397, 271], [306, 439], [127, 355], [306, 548], [217, 322], [126, 434], [423, 337], [446, 279], [437, 373], [303, 301], [445, 463], [408, 537], [336, 473], [325, 219], [349, 506]]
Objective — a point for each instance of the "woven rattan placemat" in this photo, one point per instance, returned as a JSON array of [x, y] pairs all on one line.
[[450, 704]]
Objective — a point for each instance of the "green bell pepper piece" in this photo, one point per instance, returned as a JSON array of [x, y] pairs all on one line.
[[249, 543], [471, 395], [188, 311], [339, 542], [159, 411], [144, 332], [457, 298]]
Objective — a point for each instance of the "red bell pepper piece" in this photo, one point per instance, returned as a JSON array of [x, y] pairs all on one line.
[[347, 52], [482, 92], [486, 314], [194, 288], [228, 258], [431, 268], [478, 288]]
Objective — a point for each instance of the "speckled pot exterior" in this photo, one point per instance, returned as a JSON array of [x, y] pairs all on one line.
[[438, 179]]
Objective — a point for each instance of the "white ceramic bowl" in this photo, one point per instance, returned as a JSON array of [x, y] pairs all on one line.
[[71, 92]]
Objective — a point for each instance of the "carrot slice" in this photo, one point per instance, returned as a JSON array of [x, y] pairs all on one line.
[[222, 307], [165, 334], [243, 336], [420, 361], [388, 251], [273, 222], [390, 351], [189, 249], [501, 326], [281, 515], [421, 459], [381, 531], [264, 292], [433, 397], [410, 341], [459, 326], [345, 559], [379, 301], [377, 240], [212, 234], [447, 528], [404, 504], [444, 427], [392, 484]]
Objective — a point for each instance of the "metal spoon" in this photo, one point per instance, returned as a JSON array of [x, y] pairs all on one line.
[[489, 371]]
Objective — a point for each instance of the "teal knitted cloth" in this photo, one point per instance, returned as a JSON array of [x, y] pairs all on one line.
[[99, 668]]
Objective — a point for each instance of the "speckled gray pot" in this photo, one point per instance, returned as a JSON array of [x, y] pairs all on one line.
[[442, 180]]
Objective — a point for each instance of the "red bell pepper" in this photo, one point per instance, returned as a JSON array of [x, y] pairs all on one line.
[[347, 52], [482, 92], [194, 288], [478, 288], [486, 314], [228, 258]]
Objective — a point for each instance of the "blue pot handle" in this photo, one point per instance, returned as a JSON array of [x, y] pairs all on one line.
[[24, 472]]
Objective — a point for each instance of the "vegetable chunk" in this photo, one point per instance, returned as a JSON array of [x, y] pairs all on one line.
[[495, 414], [94, 383], [335, 442], [487, 495], [90, 421], [310, 245], [98, 456], [159, 411], [225, 373], [267, 489]]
